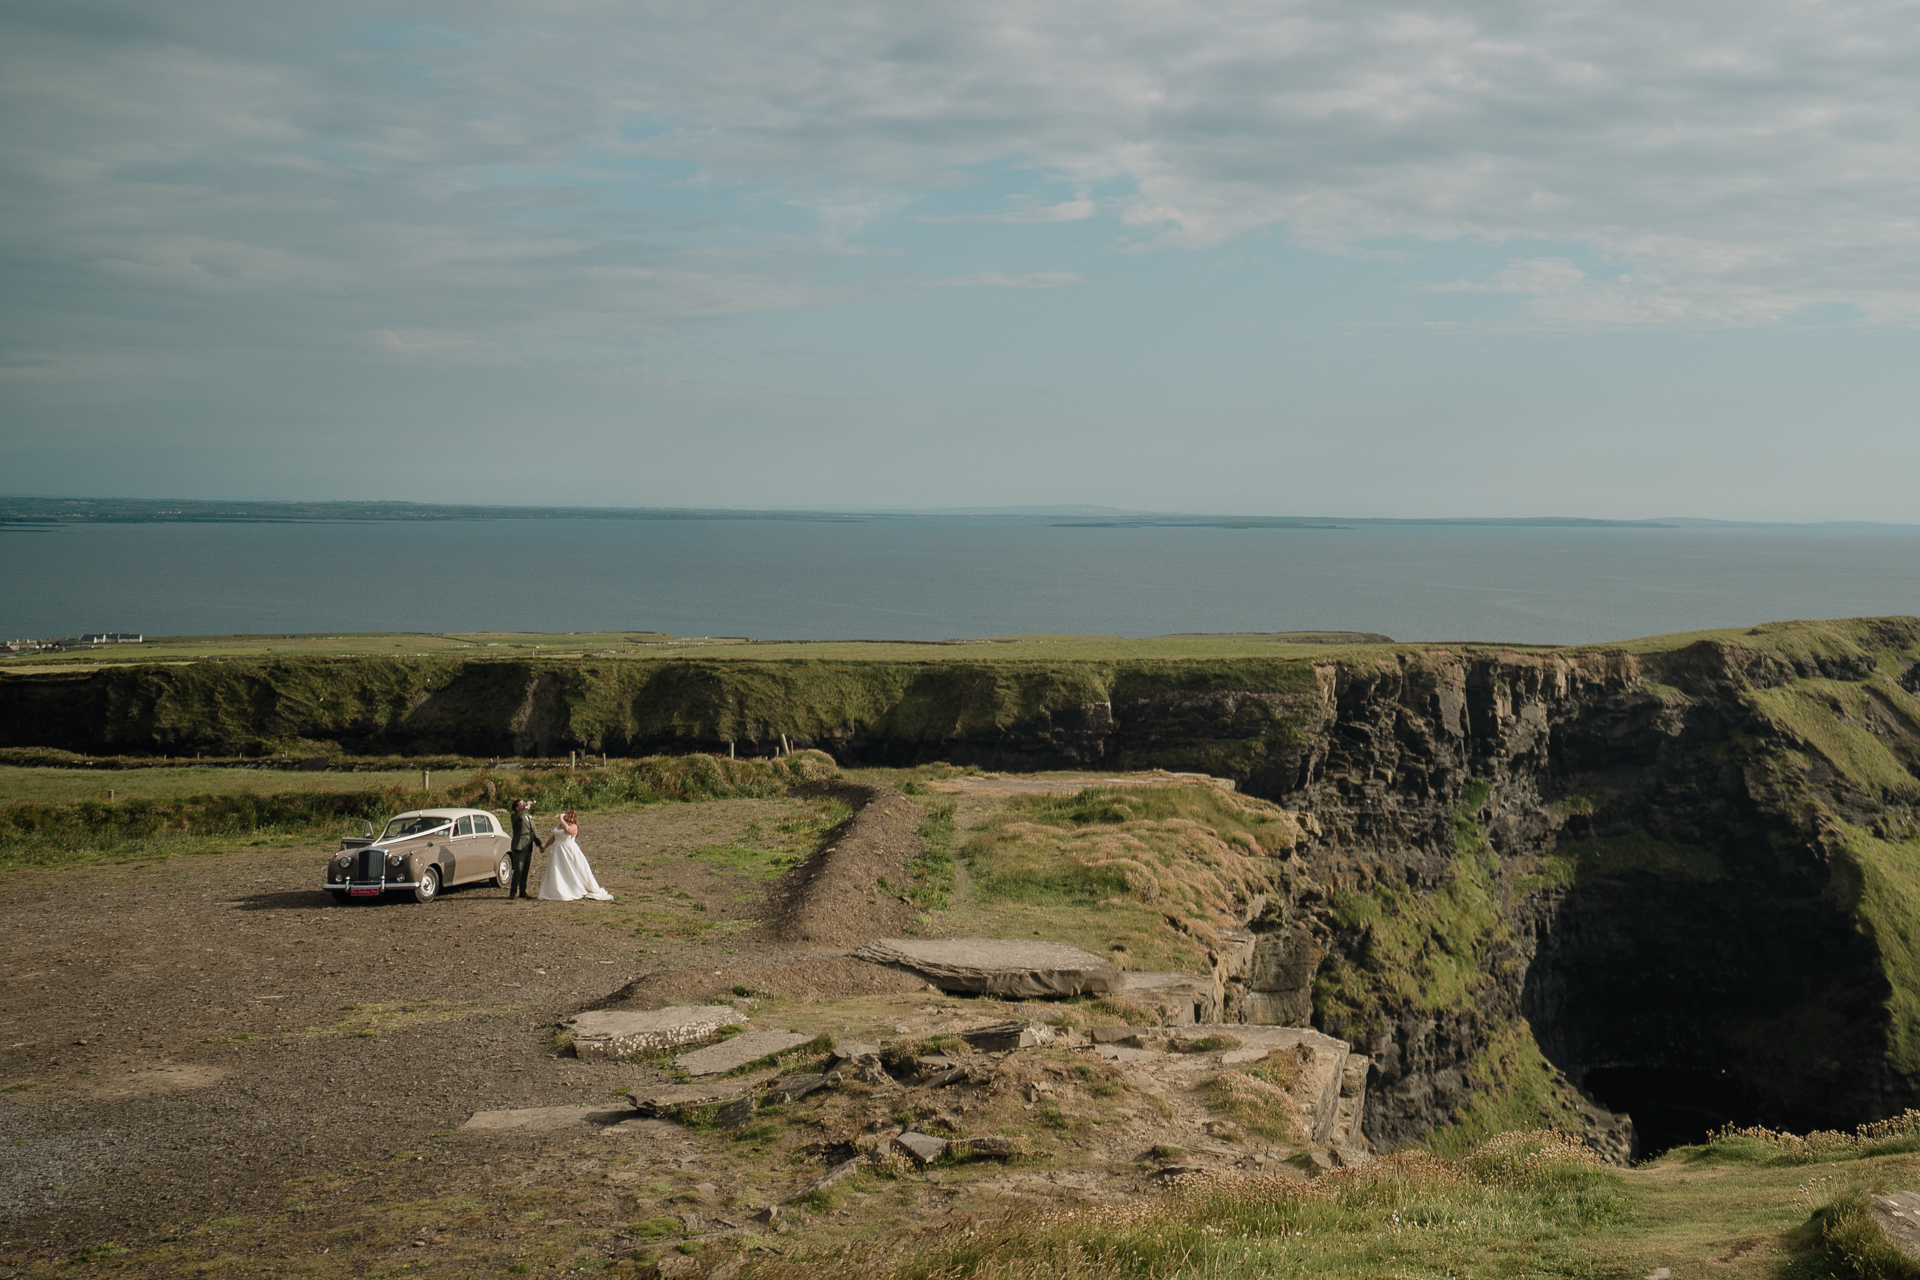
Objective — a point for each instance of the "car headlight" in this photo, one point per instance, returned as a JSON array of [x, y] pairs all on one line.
[[343, 861], [395, 859]]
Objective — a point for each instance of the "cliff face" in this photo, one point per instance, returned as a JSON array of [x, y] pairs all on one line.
[[1687, 870]]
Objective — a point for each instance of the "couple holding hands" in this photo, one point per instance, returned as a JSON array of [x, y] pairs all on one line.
[[568, 875]]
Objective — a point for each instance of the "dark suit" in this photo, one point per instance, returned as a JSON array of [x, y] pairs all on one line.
[[521, 851]]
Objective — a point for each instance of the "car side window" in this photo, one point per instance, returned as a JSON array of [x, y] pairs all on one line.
[[464, 827], [482, 826]]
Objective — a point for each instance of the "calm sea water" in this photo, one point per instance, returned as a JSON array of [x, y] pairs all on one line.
[[926, 578]]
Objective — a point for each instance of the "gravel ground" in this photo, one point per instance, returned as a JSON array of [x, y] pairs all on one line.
[[185, 1039], [209, 1068]]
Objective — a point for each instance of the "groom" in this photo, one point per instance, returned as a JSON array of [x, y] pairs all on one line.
[[525, 843]]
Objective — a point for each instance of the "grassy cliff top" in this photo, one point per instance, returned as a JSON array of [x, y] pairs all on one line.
[[643, 644], [1785, 639]]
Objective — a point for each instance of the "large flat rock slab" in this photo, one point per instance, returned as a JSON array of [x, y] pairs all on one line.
[[738, 1052], [618, 1033], [1898, 1213], [545, 1119], [998, 966]]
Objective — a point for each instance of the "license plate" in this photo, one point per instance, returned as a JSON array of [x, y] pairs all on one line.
[[364, 893]]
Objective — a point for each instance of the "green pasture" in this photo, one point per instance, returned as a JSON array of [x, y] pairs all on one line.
[[74, 786], [244, 807], [1518, 1205], [648, 644]]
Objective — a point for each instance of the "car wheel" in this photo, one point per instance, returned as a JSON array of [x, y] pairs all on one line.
[[503, 874], [429, 887]]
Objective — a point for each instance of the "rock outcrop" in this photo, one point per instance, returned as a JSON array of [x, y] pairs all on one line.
[[1012, 968]]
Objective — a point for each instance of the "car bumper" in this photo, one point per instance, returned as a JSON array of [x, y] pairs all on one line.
[[368, 886]]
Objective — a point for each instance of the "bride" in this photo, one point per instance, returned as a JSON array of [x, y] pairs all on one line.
[[567, 875]]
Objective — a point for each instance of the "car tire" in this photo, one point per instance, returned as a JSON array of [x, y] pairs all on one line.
[[503, 873], [429, 887]]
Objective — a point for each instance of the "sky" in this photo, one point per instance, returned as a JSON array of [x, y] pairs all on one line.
[[1443, 258]]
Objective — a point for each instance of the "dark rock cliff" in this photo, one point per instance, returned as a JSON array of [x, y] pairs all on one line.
[[1672, 905]]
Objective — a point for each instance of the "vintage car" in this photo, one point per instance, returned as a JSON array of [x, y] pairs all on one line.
[[422, 851]]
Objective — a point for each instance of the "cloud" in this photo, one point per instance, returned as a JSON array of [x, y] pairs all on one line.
[[1739, 161], [1536, 276], [222, 176], [1066, 211], [999, 280]]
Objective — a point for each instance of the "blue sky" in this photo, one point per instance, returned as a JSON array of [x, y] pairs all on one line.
[[1461, 258]]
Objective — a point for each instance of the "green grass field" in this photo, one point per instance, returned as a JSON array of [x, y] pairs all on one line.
[[74, 786], [645, 644], [1518, 1205], [1785, 638]]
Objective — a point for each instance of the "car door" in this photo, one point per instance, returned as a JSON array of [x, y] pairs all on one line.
[[466, 851], [487, 835]]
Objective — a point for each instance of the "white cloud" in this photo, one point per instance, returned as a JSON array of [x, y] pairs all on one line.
[[1000, 280], [1535, 276], [1739, 160], [1065, 211], [328, 173]]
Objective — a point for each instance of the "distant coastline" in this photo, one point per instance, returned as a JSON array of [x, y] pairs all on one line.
[[43, 512]]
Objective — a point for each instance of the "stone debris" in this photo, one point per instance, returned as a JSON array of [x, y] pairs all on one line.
[[839, 1173], [736, 1114], [1898, 1213], [923, 1147], [1182, 998], [990, 1147], [730, 1055], [1000, 1037], [1177, 1170], [793, 1088], [545, 1119], [1125, 1053], [666, 1102], [1331, 1085], [998, 966], [606, 1034], [865, 1067]]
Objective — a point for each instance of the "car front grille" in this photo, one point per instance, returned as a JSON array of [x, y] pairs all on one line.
[[370, 864]]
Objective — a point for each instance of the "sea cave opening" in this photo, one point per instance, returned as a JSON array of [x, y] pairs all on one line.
[[1692, 1004]]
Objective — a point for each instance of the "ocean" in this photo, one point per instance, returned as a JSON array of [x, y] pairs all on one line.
[[935, 577]]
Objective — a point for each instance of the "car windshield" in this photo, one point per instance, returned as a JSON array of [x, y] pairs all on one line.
[[412, 827]]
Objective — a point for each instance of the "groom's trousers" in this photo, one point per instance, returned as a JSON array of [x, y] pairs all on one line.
[[522, 864]]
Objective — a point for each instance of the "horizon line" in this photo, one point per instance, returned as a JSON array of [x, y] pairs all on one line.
[[1077, 514]]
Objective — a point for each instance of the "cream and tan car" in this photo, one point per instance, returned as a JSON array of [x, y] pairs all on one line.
[[422, 851]]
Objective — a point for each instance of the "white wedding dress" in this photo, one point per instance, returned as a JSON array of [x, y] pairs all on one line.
[[568, 875]]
